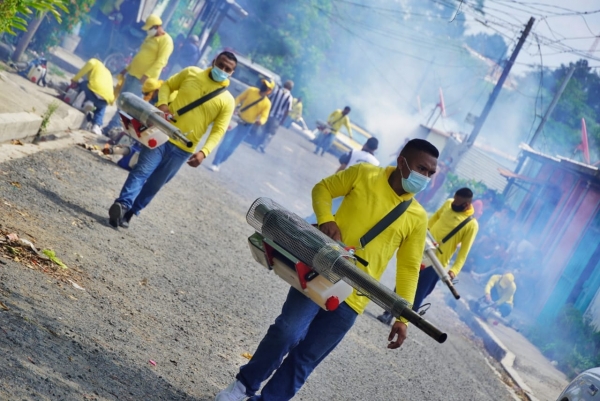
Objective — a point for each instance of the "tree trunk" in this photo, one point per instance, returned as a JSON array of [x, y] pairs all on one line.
[[32, 28]]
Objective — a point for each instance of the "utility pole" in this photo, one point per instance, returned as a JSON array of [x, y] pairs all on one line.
[[494, 95], [557, 95]]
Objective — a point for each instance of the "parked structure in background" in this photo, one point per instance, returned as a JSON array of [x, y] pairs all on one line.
[[557, 201]]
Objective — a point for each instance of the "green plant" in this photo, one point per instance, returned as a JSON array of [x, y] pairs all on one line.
[[573, 341], [12, 12], [52, 107], [453, 182]]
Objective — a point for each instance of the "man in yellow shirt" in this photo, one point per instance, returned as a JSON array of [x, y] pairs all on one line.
[[304, 331], [155, 167], [149, 61], [254, 112], [500, 291], [335, 121], [98, 90], [456, 213]]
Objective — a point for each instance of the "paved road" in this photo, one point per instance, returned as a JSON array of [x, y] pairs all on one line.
[[180, 288]]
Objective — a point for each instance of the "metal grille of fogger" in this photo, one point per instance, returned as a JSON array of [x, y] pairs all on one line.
[[150, 116], [329, 259]]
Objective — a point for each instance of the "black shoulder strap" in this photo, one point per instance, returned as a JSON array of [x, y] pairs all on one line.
[[457, 229], [251, 104], [384, 223], [339, 119], [200, 101]]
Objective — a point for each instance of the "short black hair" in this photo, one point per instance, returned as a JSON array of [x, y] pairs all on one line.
[[464, 193], [372, 143], [419, 145], [347, 108], [229, 55]]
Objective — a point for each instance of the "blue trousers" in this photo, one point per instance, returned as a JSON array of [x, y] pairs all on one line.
[[303, 331], [99, 103], [324, 143], [428, 278], [155, 167], [231, 141]]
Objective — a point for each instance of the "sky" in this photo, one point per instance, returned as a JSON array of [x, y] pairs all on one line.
[[576, 31]]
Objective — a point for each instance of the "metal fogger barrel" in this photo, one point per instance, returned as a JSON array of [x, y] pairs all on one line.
[[430, 259], [150, 120], [329, 259]]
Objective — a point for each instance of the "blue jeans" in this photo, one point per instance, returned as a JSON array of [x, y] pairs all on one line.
[[133, 85], [99, 104], [324, 143], [231, 141], [303, 331], [335, 205], [155, 167], [428, 278]]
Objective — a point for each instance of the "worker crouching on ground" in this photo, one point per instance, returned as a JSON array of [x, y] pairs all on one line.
[[204, 94], [98, 89], [500, 291], [305, 332]]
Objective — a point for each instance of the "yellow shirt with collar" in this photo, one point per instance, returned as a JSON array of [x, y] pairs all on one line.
[[191, 84], [443, 221], [368, 197], [152, 57], [99, 79], [257, 112]]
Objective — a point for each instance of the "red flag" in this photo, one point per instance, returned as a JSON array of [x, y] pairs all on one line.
[[584, 146], [442, 104]]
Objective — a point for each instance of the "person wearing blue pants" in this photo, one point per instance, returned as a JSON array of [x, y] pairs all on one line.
[[451, 225], [98, 89], [155, 167], [335, 121], [303, 331], [254, 112]]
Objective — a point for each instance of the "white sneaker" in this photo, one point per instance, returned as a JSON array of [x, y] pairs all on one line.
[[236, 391], [214, 167], [96, 129]]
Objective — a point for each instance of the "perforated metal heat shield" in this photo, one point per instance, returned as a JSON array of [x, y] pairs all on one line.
[[328, 258]]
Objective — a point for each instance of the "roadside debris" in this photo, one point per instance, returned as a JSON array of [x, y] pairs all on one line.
[[247, 355], [22, 250]]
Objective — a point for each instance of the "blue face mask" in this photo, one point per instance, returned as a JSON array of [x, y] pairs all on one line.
[[218, 74], [415, 182]]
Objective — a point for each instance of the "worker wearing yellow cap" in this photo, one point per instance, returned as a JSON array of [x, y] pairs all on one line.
[[253, 112], [500, 290], [98, 90], [149, 61]]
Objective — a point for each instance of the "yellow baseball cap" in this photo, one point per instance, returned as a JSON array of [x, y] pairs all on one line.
[[152, 20], [151, 84], [270, 84]]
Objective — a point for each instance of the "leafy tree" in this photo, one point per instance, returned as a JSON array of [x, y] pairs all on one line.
[[491, 46], [13, 12]]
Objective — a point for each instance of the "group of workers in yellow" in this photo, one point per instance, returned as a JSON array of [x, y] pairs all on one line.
[[303, 331]]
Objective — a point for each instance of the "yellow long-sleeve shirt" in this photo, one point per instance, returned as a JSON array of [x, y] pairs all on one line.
[[99, 79], [445, 220], [336, 120], [193, 83], [506, 288], [368, 197], [152, 57], [259, 111]]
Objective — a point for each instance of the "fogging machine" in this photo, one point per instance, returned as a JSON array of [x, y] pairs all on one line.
[[147, 124], [319, 267]]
